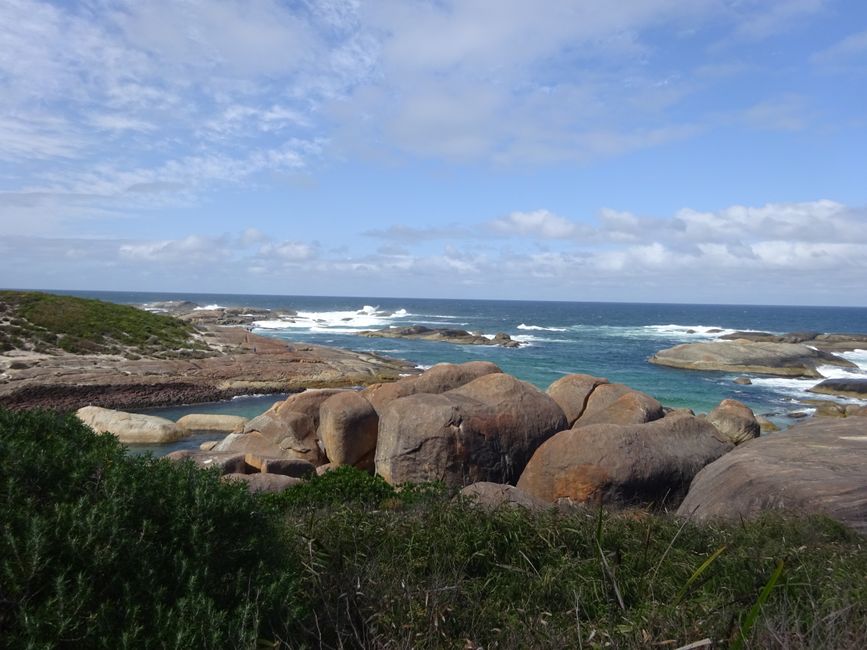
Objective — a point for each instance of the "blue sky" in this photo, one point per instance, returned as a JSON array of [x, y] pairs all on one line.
[[643, 150]]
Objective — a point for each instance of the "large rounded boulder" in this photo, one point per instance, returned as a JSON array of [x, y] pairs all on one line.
[[619, 404], [307, 403], [572, 393], [623, 464], [288, 434], [735, 420], [485, 430], [818, 466], [439, 379], [348, 429], [212, 423], [131, 428]]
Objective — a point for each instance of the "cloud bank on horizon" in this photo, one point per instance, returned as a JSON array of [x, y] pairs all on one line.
[[647, 150]]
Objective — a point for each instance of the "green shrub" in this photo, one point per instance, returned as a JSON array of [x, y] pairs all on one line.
[[85, 326], [99, 549]]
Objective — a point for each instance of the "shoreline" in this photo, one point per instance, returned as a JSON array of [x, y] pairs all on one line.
[[249, 364]]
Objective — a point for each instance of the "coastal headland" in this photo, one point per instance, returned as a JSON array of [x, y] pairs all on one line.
[[173, 361]]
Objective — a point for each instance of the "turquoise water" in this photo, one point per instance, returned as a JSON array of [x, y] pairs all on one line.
[[611, 340]]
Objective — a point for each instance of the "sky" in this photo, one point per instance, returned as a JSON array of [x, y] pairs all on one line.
[[709, 151]]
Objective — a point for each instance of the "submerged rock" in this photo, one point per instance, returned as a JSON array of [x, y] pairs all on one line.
[[854, 387]]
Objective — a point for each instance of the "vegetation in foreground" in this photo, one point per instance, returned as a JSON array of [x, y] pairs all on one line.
[[99, 549], [49, 323]]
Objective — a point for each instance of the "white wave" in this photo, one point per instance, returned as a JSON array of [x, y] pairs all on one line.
[[539, 328], [340, 322], [208, 307], [690, 331], [836, 372], [423, 367], [858, 357]]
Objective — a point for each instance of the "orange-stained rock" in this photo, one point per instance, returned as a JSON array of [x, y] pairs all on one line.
[[485, 430], [623, 464], [619, 404], [572, 392]]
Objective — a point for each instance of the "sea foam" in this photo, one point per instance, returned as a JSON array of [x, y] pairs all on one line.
[[539, 328], [336, 322]]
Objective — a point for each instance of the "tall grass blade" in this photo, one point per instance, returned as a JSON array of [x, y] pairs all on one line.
[[697, 573], [753, 614]]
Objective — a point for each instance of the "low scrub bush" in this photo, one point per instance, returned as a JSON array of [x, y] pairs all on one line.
[[99, 549]]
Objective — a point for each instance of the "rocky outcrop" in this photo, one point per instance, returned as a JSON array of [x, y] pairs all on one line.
[[855, 387], [348, 430], [782, 359], [619, 404], [131, 428], [817, 466], [492, 496], [826, 342], [445, 335], [241, 363], [485, 430], [572, 393], [212, 423], [735, 421], [623, 464]]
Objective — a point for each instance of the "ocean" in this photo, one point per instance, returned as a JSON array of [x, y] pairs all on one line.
[[612, 340]]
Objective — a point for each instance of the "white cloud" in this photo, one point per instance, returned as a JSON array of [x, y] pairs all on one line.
[[288, 251], [844, 52], [763, 19], [787, 113], [539, 223]]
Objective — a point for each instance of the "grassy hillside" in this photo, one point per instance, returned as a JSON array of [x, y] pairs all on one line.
[[102, 550], [49, 323]]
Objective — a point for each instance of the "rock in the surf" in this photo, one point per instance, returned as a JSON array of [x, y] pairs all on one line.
[[782, 359], [843, 387]]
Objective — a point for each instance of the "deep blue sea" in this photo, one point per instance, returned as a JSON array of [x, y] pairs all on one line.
[[610, 340]]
